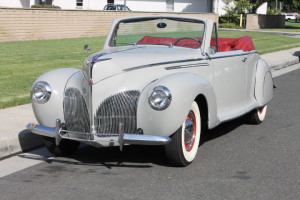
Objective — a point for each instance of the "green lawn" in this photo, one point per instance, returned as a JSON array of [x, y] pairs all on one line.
[[290, 26], [22, 62]]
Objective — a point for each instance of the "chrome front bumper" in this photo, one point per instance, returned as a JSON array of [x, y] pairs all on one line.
[[122, 138]]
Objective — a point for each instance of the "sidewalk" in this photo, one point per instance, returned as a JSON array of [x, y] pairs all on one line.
[[14, 138], [295, 34]]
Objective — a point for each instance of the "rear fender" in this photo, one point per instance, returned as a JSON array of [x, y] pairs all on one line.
[[184, 87], [263, 83]]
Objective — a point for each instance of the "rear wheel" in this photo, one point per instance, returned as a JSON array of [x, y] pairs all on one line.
[[258, 115], [185, 141], [65, 147]]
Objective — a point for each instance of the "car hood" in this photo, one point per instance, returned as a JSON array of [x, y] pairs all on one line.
[[109, 63]]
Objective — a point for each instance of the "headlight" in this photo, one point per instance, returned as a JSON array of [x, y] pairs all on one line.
[[41, 92], [160, 98]]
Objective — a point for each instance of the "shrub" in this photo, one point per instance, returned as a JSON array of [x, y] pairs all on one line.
[[271, 11], [230, 25], [45, 6], [232, 18]]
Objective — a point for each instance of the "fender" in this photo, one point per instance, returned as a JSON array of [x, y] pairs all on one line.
[[263, 83], [47, 113], [184, 87]]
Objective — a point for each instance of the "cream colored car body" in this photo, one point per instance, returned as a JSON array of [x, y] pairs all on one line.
[[226, 85]]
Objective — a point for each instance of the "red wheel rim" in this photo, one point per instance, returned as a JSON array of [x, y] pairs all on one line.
[[261, 110], [190, 130]]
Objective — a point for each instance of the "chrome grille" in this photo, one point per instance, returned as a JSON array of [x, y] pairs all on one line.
[[75, 111], [119, 108]]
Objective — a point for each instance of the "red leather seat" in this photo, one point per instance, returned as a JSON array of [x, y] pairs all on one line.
[[244, 43], [156, 40], [224, 47]]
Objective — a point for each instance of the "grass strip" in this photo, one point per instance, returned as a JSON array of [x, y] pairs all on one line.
[[290, 26], [22, 63]]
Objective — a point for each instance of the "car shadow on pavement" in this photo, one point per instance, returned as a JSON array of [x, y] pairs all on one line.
[[137, 156], [29, 141], [132, 156], [222, 129]]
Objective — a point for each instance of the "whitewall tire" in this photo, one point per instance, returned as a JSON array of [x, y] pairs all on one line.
[[185, 141], [258, 115]]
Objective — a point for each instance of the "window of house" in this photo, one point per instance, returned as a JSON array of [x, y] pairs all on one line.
[[44, 2], [79, 2]]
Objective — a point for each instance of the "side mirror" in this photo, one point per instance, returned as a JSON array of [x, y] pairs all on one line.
[[212, 50], [87, 48]]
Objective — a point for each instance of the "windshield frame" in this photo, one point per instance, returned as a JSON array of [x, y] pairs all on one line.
[[114, 32]]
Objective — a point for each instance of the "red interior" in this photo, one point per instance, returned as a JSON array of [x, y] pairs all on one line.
[[244, 43]]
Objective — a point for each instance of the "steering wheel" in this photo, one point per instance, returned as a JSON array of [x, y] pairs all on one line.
[[187, 38]]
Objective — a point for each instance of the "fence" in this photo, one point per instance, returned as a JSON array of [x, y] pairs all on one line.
[[41, 24], [255, 21]]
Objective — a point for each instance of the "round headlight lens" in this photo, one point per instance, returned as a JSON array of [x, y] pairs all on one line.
[[160, 98], [41, 92]]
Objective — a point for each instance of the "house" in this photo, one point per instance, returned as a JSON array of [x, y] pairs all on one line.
[[204, 6]]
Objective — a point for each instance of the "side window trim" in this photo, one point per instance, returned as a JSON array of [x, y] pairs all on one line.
[[217, 38]]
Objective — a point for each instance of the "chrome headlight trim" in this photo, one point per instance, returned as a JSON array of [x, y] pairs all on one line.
[[160, 98], [41, 92]]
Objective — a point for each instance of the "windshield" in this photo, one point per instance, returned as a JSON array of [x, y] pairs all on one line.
[[159, 31]]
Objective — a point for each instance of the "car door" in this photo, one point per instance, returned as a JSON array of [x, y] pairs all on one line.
[[230, 81]]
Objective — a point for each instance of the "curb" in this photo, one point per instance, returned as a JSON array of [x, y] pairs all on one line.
[[281, 59], [25, 141], [14, 137]]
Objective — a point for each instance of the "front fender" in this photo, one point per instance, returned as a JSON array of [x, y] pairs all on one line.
[[47, 113], [263, 83], [184, 87]]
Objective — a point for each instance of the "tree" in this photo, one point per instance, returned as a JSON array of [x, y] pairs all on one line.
[[288, 5], [242, 6]]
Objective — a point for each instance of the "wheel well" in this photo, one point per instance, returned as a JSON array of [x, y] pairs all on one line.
[[202, 103]]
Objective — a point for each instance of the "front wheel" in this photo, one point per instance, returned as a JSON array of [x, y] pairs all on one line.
[[185, 141], [65, 147]]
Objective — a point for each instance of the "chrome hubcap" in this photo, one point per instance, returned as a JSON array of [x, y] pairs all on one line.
[[190, 131]]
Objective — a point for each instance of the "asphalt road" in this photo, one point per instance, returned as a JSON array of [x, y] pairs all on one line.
[[236, 161]]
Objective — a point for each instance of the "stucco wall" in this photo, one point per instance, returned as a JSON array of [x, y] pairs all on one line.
[[192, 6], [255, 21], [148, 6], [87, 4], [39, 24], [135, 5]]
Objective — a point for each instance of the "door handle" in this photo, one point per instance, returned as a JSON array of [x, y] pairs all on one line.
[[244, 59]]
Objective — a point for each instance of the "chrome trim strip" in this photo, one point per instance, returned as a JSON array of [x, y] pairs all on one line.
[[186, 66], [233, 55], [125, 139], [145, 139], [100, 54], [161, 63]]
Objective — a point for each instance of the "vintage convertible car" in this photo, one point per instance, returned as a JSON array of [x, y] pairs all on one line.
[[160, 80]]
